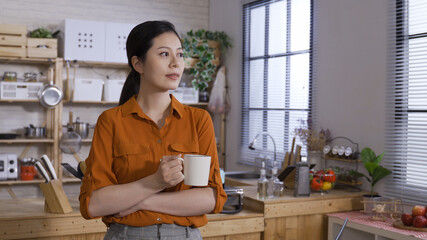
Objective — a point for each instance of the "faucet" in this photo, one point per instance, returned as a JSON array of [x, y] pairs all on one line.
[[252, 144]]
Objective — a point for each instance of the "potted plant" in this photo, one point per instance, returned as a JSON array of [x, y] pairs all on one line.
[[371, 162], [201, 50], [372, 165], [42, 44]]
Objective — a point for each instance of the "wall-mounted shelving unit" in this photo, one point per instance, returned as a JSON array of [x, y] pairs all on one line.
[[50, 118]]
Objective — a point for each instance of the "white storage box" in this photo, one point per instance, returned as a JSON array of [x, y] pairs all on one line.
[[115, 41], [88, 90], [186, 94], [82, 40], [112, 90], [20, 90]]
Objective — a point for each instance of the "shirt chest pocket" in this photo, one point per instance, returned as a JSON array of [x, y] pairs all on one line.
[[184, 148], [132, 162]]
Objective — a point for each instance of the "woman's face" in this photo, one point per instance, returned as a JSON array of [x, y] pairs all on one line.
[[164, 63]]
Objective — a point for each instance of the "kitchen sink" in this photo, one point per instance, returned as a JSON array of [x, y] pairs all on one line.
[[242, 175]]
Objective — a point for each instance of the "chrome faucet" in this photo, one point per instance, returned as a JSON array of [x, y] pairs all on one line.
[[252, 144]]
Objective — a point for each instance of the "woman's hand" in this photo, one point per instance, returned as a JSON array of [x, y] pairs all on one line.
[[169, 172]]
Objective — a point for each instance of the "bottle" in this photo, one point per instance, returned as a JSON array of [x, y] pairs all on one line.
[[273, 181], [262, 184]]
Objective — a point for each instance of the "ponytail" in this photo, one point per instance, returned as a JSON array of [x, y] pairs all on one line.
[[131, 86]]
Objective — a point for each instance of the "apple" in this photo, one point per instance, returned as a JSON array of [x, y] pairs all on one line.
[[418, 211], [420, 221], [407, 219]]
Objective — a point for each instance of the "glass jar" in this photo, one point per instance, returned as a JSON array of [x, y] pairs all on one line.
[[30, 77], [10, 76], [27, 169]]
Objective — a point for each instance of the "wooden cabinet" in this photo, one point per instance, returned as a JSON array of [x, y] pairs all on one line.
[[303, 218], [25, 219]]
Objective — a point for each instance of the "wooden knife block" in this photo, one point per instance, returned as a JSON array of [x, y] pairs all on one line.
[[289, 181], [55, 199]]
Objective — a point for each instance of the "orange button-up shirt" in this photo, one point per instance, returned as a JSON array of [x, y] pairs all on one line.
[[127, 145]]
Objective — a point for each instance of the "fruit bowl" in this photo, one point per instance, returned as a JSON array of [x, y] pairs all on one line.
[[416, 220], [322, 180]]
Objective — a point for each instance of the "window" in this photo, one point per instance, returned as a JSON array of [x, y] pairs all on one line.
[[406, 144], [276, 74]]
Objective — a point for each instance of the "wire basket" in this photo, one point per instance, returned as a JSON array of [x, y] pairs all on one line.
[[381, 208]]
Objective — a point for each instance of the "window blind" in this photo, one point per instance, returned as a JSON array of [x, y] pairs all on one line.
[[276, 72], [406, 128]]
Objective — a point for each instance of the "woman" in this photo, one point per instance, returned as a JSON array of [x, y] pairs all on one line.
[[134, 178]]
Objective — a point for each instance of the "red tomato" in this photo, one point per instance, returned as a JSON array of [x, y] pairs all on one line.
[[319, 173], [330, 176], [316, 183]]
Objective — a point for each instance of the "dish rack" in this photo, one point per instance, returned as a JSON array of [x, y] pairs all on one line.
[[344, 174]]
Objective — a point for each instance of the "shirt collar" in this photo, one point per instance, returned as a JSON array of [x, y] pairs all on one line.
[[131, 106], [177, 107]]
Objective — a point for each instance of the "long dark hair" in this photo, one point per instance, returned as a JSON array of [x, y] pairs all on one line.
[[140, 39]]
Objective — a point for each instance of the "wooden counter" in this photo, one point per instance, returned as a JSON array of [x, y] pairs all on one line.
[[26, 219], [302, 218]]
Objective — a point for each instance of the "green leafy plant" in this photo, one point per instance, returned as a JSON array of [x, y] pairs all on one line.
[[41, 33], [196, 45], [221, 37], [372, 164]]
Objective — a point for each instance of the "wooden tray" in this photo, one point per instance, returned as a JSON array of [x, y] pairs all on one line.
[[401, 226]]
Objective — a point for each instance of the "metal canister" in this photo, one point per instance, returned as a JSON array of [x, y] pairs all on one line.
[[10, 76]]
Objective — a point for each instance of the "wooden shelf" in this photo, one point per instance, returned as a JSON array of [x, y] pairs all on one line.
[[102, 64], [342, 160], [349, 183], [106, 103], [27, 140], [20, 182], [19, 100], [17, 60], [90, 102], [71, 180]]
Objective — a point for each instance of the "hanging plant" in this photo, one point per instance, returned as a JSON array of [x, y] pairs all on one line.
[[196, 45]]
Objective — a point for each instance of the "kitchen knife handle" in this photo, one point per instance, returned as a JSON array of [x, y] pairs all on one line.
[[42, 171], [49, 166]]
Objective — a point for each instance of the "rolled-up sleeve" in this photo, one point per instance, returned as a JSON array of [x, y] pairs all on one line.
[[98, 164], [207, 146]]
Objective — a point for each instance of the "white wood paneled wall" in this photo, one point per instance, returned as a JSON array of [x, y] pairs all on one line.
[[184, 14]]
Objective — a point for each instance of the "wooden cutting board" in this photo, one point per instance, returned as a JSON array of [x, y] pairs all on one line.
[[401, 226]]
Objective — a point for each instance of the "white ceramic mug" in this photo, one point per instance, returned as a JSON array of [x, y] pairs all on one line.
[[196, 169]]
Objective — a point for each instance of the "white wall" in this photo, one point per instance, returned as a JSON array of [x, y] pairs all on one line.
[[184, 14], [225, 15], [350, 42]]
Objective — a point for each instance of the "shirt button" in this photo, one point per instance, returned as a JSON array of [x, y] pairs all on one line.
[[159, 219], [159, 141]]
